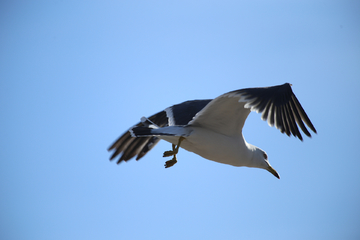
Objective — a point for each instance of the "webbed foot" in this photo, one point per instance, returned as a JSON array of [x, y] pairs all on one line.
[[173, 152], [171, 162], [169, 153]]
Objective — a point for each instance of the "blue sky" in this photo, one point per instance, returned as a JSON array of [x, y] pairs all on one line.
[[76, 74]]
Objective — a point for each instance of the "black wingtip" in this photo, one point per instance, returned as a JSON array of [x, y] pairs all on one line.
[[280, 108]]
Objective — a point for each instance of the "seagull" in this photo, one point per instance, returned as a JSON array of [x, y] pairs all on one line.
[[212, 128]]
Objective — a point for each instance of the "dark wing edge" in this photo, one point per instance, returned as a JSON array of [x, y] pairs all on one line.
[[131, 146], [279, 107]]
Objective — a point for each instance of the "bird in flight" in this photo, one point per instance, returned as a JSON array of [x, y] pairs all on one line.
[[212, 128]]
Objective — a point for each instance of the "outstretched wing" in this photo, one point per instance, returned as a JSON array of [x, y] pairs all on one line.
[[179, 114], [278, 104], [131, 146]]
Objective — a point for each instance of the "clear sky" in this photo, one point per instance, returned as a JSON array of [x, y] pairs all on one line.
[[74, 75]]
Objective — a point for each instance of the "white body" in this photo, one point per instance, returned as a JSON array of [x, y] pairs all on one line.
[[215, 146]]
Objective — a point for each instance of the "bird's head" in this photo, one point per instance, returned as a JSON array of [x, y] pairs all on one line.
[[260, 160]]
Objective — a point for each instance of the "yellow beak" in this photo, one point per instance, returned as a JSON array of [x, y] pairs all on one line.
[[273, 171]]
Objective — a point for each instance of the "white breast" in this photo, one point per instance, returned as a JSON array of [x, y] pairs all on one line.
[[218, 147]]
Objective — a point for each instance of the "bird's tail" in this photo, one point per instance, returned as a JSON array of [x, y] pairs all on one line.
[[150, 129], [141, 132]]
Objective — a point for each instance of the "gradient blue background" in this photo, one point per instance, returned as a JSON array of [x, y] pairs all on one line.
[[75, 75]]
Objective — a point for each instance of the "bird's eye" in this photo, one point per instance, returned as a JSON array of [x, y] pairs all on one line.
[[265, 156]]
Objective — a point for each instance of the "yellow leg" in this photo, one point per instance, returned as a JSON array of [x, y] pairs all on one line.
[[175, 150], [171, 152]]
